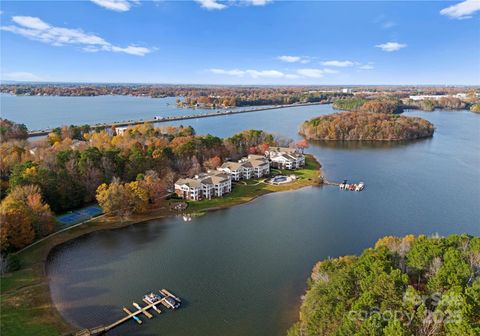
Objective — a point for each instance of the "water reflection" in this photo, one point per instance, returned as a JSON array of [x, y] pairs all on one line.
[[353, 145]]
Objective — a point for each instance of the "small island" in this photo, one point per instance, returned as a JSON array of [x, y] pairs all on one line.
[[368, 126], [379, 105], [403, 286]]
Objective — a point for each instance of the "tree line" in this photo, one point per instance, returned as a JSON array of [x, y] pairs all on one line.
[[378, 105], [257, 98], [410, 286], [127, 173], [447, 103]]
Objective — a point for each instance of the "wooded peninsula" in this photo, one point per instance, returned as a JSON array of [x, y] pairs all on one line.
[[369, 126], [133, 171], [406, 286]]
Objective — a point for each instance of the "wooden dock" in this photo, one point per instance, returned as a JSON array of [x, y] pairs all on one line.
[[133, 315], [345, 186], [167, 293]]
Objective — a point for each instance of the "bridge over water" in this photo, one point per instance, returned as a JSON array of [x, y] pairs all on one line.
[[35, 133]]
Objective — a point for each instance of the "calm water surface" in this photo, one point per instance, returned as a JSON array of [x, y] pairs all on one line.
[[40, 112], [242, 270]]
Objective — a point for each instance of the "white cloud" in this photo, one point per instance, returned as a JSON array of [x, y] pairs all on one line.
[[391, 46], [234, 72], [38, 30], [368, 66], [30, 22], [335, 63], [258, 2], [462, 10], [251, 73], [115, 5], [211, 4], [294, 59], [221, 4], [289, 59], [311, 73], [132, 50], [21, 76], [329, 71], [265, 73]]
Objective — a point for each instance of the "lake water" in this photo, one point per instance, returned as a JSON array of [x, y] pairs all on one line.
[[41, 112], [241, 271]]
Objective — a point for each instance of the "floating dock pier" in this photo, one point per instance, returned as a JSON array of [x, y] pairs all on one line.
[[166, 298], [346, 186]]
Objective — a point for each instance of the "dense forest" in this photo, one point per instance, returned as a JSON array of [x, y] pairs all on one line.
[[366, 126], [73, 167], [447, 103], [379, 105], [410, 286], [12, 131], [388, 102], [259, 98]]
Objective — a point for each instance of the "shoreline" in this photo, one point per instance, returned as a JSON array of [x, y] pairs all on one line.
[[31, 283]]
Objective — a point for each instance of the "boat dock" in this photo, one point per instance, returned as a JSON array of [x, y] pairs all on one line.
[[166, 298], [346, 186]]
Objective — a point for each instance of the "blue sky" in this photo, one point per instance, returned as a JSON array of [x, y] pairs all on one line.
[[242, 42]]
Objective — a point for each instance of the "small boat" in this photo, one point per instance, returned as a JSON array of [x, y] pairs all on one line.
[[152, 298], [167, 293], [169, 300], [360, 186]]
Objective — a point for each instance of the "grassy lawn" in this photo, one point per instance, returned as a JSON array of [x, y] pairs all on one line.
[[23, 314], [26, 306], [25, 303]]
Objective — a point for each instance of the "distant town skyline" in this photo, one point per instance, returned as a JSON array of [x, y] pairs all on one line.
[[247, 42]]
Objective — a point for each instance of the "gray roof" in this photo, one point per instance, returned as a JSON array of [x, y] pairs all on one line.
[[190, 182], [231, 165], [256, 157], [288, 150], [258, 163], [218, 177]]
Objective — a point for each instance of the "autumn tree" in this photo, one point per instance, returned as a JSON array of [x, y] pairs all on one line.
[[40, 214], [16, 224], [24, 217], [302, 144], [10, 130], [155, 187], [122, 199], [213, 163], [475, 108]]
